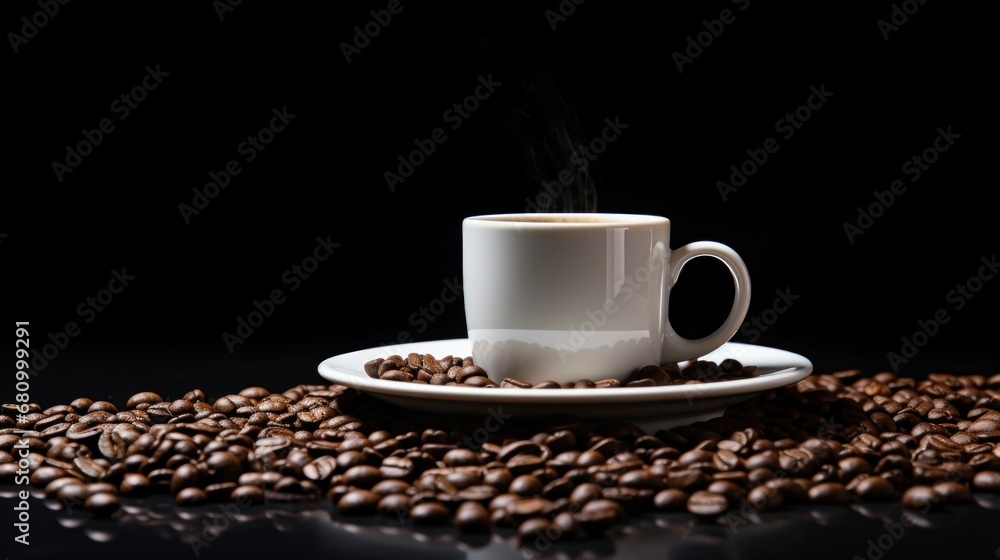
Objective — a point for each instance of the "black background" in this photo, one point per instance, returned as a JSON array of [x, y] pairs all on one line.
[[323, 175]]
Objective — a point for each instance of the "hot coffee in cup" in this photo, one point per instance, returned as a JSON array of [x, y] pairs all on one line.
[[566, 297]]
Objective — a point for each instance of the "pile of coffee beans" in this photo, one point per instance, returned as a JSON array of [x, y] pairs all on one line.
[[839, 438], [455, 371]]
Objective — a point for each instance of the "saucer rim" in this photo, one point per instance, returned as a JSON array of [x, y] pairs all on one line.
[[798, 368]]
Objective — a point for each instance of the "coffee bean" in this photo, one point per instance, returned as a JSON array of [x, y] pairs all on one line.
[[358, 502], [102, 504], [829, 493], [530, 529], [921, 497], [952, 492], [371, 367], [472, 517], [987, 481], [191, 496], [707, 503], [604, 509], [526, 485], [874, 488], [429, 513], [46, 474], [394, 505], [396, 375], [765, 498], [850, 467], [671, 499], [470, 371], [250, 495], [547, 384], [397, 467], [461, 457], [112, 446], [730, 490], [53, 487], [363, 476]]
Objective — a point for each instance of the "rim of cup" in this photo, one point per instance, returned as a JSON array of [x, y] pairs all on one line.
[[567, 219]]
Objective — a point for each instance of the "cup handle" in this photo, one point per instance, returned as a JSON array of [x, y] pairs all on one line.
[[676, 348]]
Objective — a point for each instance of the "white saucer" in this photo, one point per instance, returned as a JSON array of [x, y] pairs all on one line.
[[644, 406]]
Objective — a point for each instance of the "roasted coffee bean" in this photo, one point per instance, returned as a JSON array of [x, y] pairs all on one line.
[[921, 497], [829, 493], [671, 499], [707, 503], [43, 475], [250, 495], [470, 371], [851, 467], [363, 476], [429, 513], [874, 488], [952, 492], [191, 496], [461, 457], [526, 485], [134, 485], [184, 476], [102, 504], [529, 529], [393, 505], [358, 502], [472, 517], [112, 446], [547, 384], [987, 481], [396, 375], [371, 367], [730, 490], [766, 498]]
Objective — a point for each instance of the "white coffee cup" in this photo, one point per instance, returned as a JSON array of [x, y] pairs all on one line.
[[572, 296]]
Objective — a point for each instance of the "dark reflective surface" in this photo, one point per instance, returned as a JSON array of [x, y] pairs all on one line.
[[154, 528]]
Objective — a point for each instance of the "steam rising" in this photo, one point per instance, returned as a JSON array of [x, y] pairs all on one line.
[[544, 122]]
